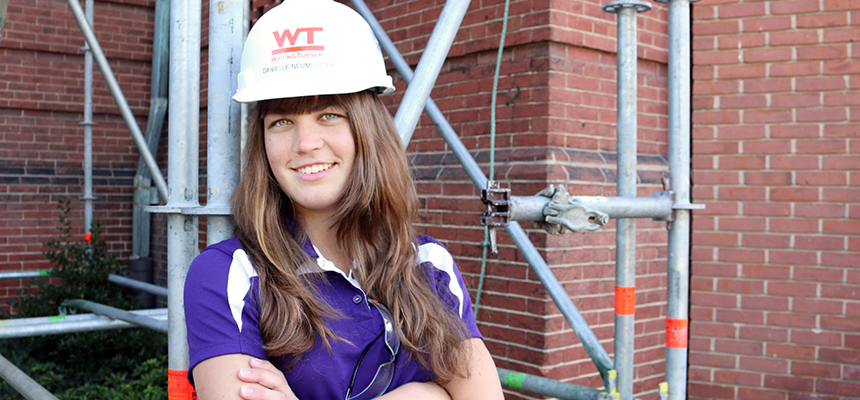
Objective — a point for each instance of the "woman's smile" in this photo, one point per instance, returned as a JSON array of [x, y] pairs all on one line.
[[314, 169]]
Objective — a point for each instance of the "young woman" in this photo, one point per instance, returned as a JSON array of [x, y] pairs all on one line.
[[326, 292]]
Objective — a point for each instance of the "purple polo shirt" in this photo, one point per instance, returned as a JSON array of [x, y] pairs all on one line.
[[222, 315]]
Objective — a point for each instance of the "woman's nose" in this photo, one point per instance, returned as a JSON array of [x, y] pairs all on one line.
[[308, 138]]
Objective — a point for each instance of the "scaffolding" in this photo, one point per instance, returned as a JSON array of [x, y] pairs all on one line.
[[503, 209]]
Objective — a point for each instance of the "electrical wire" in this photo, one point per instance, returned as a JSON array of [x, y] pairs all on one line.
[[486, 242]]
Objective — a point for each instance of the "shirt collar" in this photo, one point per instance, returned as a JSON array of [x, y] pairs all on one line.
[[323, 264]]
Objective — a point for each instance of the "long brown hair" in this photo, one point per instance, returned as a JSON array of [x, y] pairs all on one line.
[[373, 225]]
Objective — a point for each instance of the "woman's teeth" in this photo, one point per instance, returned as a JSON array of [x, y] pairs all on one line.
[[314, 168]]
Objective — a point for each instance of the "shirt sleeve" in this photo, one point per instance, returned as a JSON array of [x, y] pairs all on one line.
[[221, 312], [448, 282]]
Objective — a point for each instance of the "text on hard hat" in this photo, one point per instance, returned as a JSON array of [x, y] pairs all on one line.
[[292, 37]]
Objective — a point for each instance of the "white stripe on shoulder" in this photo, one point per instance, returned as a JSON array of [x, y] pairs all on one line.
[[442, 260], [238, 284]]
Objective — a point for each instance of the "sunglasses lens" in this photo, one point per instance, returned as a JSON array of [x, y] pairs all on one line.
[[391, 338], [380, 383], [385, 372]]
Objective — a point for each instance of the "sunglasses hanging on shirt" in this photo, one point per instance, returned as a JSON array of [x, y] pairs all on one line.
[[385, 372]]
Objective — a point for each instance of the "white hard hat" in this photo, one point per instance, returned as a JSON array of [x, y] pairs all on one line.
[[310, 47]]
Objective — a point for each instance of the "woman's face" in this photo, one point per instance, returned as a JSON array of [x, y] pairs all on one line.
[[311, 156]]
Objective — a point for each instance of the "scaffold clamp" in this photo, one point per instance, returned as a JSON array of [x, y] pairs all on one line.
[[562, 214], [676, 205], [497, 200], [498, 212]]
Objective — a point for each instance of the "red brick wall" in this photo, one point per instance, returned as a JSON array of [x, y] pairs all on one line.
[[556, 125], [774, 284], [776, 155], [41, 105]]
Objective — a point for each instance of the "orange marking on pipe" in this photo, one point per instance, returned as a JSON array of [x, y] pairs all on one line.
[[676, 333], [625, 300]]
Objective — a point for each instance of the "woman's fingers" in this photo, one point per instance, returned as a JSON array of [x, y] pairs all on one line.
[[263, 373], [258, 393], [262, 377], [257, 363]]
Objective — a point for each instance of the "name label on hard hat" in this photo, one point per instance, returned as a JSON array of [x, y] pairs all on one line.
[[292, 37], [294, 66]]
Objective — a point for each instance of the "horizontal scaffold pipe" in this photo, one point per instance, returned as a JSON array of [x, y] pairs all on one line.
[[60, 324], [116, 313], [545, 386], [119, 280], [22, 383], [44, 273], [530, 208], [139, 285]]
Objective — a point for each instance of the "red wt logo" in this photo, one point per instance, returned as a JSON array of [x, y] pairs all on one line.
[[286, 35]]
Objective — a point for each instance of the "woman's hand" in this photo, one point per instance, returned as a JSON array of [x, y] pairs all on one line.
[[265, 374]]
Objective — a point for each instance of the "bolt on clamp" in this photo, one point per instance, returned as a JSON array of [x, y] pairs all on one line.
[[562, 215], [498, 213], [665, 177]]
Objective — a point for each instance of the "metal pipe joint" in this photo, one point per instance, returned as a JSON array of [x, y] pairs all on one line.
[[563, 214], [616, 6]]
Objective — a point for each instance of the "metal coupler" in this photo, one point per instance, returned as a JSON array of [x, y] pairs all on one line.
[[498, 212]]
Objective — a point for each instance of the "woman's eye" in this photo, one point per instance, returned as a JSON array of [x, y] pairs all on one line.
[[329, 116], [280, 122]]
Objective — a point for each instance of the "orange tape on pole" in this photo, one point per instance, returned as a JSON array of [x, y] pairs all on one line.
[[676, 333], [625, 300], [178, 387]]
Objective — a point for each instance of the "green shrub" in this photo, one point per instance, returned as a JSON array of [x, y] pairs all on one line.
[[82, 268], [148, 384], [126, 364]]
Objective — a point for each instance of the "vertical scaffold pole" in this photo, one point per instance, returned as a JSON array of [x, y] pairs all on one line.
[[435, 53], [88, 126], [4, 6], [183, 188], [625, 236], [116, 92], [222, 156], [677, 316]]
